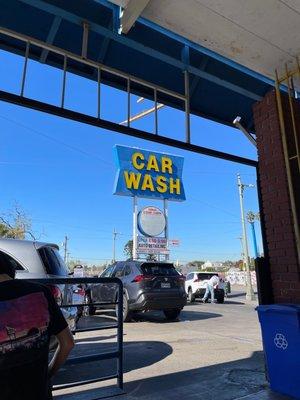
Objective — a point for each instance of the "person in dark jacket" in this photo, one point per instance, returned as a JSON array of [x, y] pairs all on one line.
[[29, 316]]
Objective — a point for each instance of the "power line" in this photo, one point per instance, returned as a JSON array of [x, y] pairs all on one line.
[[33, 130], [213, 206]]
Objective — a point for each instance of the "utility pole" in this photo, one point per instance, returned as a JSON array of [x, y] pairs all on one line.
[[243, 251], [115, 233], [249, 288], [65, 245]]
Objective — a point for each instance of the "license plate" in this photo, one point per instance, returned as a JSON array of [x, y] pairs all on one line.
[[165, 285]]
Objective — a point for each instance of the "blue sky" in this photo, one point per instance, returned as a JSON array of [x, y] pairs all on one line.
[[62, 172]]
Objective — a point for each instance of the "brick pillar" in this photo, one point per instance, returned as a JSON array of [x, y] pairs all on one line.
[[280, 237]]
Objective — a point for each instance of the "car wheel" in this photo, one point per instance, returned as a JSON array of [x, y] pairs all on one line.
[[171, 315], [220, 299], [126, 312], [191, 296]]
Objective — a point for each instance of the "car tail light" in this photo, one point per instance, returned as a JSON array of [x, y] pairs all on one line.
[[56, 293], [142, 278]]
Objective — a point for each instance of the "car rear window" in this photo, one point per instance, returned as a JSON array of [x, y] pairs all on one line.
[[204, 277], [159, 269], [53, 262]]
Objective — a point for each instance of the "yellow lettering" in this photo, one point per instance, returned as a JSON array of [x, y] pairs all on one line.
[[147, 184], [132, 180], [166, 165], [152, 163], [175, 185], [161, 184], [135, 157]]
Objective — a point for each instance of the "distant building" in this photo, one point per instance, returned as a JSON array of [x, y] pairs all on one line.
[[212, 265]]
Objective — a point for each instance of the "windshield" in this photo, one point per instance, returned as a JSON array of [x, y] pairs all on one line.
[[53, 262], [159, 269]]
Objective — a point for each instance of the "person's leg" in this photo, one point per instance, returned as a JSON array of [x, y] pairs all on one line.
[[212, 294], [204, 298]]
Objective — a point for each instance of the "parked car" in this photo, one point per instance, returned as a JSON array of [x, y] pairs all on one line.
[[37, 260], [147, 286], [195, 286]]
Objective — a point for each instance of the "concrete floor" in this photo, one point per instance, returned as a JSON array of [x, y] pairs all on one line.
[[213, 351]]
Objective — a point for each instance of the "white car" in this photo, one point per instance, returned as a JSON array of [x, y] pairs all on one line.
[[195, 286]]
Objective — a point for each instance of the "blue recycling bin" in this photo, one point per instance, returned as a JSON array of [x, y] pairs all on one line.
[[280, 325]]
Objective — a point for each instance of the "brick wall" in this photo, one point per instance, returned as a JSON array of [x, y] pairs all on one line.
[[280, 236]]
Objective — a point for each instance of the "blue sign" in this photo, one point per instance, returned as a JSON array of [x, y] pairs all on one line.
[[149, 174]]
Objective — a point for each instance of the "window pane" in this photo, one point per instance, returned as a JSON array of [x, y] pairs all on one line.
[[53, 262], [11, 262], [159, 269]]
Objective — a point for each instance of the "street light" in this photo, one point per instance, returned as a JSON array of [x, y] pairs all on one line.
[[249, 288]]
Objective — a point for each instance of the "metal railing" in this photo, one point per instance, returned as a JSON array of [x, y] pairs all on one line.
[[100, 68], [118, 353]]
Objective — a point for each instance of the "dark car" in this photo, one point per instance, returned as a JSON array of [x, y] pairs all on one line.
[[147, 286]]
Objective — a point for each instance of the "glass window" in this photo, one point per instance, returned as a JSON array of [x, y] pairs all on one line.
[[52, 261], [118, 272], [190, 276], [11, 262], [159, 269], [106, 273], [204, 276], [127, 270]]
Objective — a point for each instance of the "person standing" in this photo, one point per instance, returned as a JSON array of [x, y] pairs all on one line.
[[210, 288], [29, 316]]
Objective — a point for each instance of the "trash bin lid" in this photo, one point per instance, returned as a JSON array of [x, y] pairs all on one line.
[[280, 308]]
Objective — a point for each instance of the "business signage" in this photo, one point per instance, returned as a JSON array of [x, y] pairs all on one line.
[[152, 245], [149, 174], [151, 221]]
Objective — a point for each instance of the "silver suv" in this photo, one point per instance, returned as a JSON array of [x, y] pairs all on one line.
[[37, 260]]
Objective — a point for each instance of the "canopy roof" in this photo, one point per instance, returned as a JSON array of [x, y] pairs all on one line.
[[230, 49]]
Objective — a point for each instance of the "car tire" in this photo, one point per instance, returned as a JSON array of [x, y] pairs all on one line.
[[173, 314], [191, 296], [126, 312], [220, 299]]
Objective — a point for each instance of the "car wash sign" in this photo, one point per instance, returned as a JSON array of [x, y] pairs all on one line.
[[144, 173]]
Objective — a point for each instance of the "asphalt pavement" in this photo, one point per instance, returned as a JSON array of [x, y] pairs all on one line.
[[213, 351]]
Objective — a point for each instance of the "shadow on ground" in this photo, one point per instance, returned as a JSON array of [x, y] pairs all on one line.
[[137, 355], [186, 315], [108, 317], [226, 381]]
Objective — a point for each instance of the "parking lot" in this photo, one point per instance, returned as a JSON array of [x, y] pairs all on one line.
[[212, 350]]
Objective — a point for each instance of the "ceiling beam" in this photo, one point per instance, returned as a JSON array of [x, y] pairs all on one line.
[[51, 36], [131, 13], [112, 126]]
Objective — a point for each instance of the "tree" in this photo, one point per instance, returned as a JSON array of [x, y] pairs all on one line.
[[128, 249], [196, 264], [15, 224]]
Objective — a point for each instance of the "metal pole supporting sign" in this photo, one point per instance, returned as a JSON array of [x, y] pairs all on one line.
[[166, 212], [134, 234]]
